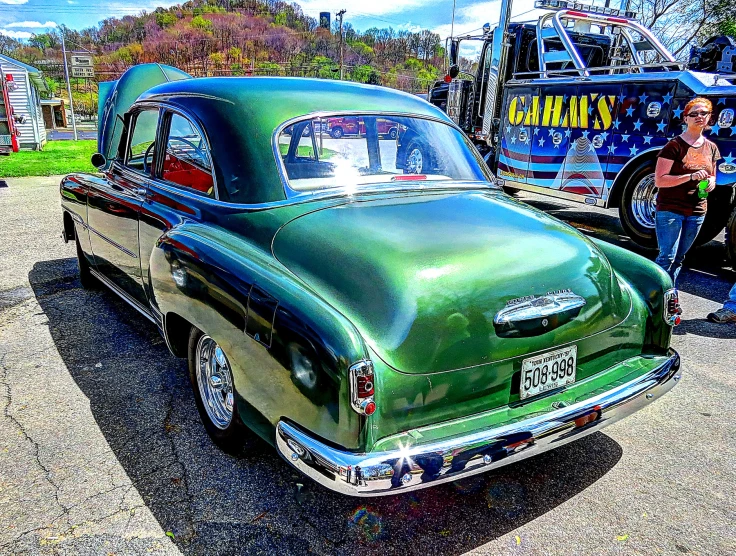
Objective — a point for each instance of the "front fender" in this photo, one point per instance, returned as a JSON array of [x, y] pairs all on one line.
[[650, 281], [289, 350]]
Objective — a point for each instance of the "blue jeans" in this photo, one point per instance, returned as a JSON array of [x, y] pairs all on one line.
[[731, 301], [675, 235]]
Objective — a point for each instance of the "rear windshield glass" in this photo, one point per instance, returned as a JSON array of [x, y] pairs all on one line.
[[364, 151]]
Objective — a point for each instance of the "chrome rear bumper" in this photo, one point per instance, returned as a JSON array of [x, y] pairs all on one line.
[[423, 465]]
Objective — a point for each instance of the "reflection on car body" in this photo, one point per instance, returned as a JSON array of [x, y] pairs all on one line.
[[366, 306]]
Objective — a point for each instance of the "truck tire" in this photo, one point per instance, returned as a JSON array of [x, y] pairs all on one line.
[[418, 158], [731, 240], [336, 132], [638, 200]]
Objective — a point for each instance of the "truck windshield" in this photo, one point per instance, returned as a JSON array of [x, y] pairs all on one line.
[[350, 152]]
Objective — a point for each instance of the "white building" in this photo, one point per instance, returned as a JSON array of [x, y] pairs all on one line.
[[25, 84]]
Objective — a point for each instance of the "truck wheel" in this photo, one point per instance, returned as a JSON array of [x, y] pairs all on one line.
[[393, 132], [417, 158], [731, 240], [719, 211], [336, 132], [638, 201], [214, 391], [85, 276]]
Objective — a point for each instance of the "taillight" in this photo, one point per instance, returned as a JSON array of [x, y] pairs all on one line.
[[362, 388], [672, 310]]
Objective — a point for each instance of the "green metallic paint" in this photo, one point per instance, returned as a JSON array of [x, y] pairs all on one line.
[[410, 279]]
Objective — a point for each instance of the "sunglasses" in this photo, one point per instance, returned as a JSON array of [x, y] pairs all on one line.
[[697, 114]]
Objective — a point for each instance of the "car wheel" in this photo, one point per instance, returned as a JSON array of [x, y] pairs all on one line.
[[417, 158], [393, 133], [336, 132], [85, 276], [214, 391], [637, 207]]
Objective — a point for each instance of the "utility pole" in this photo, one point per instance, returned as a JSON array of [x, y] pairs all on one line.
[[68, 86], [340, 14]]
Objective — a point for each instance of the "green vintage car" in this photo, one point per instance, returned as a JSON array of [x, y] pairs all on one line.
[[374, 307]]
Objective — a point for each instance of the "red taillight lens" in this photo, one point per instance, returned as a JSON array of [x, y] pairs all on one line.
[[672, 310], [362, 388]]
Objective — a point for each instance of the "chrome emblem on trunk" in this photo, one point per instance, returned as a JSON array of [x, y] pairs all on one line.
[[531, 315]]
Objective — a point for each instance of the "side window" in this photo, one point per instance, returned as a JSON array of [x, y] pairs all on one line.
[[140, 152], [187, 160]]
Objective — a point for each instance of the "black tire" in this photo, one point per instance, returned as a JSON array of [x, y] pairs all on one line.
[[511, 190], [720, 205], [418, 158], [393, 132], [336, 133], [731, 240], [636, 209], [229, 436], [85, 276]]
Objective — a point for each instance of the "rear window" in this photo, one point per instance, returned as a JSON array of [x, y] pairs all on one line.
[[350, 152]]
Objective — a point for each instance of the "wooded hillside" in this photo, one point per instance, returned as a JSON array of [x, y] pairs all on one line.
[[235, 37]]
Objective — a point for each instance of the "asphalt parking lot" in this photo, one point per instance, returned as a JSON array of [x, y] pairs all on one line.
[[102, 451]]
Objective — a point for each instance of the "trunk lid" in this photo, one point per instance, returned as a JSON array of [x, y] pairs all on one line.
[[424, 275]]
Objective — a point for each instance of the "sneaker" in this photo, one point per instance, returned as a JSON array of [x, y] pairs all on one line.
[[722, 316]]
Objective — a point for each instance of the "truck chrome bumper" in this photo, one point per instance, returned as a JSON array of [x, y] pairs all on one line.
[[423, 465]]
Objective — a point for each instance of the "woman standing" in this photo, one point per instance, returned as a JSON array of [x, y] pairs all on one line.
[[682, 163]]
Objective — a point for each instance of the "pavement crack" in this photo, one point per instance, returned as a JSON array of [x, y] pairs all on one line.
[[8, 395]]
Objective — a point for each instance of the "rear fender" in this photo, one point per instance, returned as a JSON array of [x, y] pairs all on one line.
[[650, 281], [289, 350]]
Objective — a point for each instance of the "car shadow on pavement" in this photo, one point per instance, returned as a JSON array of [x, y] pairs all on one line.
[[214, 503]]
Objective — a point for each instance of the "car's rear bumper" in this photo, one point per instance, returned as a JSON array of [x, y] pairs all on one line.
[[423, 465]]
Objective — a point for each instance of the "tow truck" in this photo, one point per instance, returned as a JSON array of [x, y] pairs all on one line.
[[577, 105]]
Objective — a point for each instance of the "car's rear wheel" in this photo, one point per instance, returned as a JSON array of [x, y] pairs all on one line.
[[214, 391], [85, 276], [336, 132]]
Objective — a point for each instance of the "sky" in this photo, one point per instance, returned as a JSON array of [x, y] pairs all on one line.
[[21, 18]]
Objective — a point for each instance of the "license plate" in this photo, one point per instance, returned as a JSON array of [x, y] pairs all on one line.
[[548, 371]]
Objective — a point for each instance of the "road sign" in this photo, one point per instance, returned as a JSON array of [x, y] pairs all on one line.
[[82, 71], [82, 60]]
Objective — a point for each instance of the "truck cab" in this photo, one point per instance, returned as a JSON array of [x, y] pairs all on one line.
[[577, 106]]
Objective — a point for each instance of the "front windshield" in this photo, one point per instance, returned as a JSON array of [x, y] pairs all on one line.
[[349, 152]]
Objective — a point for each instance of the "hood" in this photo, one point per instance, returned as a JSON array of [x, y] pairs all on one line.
[[424, 276]]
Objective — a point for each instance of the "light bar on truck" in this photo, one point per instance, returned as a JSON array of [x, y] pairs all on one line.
[[587, 8]]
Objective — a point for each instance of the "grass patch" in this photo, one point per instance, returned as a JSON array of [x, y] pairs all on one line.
[[307, 151], [57, 157]]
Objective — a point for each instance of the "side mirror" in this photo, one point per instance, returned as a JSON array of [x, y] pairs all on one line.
[[98, 160], [454, 71], [454, 45]]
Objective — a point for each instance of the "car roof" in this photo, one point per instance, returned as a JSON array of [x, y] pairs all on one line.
[[240, 114]]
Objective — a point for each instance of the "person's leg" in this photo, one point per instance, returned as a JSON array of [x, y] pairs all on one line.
[[668, 228], [690, 227], [727, 313]]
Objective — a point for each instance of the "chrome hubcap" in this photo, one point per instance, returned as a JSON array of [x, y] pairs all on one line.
[[644, 201], [215, 381], [414, 161]]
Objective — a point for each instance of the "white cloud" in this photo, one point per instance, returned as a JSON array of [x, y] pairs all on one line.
[[71, 2], [13, 2], [357, 7], [470, 19], [16, 34], [411, 27], [32, 25]]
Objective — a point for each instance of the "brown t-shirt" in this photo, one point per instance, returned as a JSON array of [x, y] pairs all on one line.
[[683, 199]]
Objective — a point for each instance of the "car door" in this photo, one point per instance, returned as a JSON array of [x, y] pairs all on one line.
[[183, 182], [114, 206]]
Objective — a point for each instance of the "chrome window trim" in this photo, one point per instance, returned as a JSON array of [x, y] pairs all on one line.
[[163, 107], [136, 109], [195, 124], [291, 194]]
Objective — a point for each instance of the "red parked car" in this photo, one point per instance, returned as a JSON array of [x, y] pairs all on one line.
[[353, 125]]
